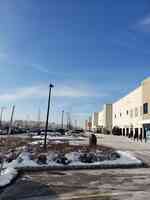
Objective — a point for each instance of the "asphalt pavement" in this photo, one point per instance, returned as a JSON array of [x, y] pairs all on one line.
[[110, 184]]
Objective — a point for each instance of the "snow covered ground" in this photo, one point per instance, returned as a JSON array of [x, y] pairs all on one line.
[[49, 137], [7, 176], [24, 160], [60, 139]]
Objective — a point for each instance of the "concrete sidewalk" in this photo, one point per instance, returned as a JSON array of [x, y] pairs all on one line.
[[123, 143], [140, 149]]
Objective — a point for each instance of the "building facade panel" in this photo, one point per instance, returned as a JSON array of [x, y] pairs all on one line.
[[127, 111], [108, 116], [146, 98], [130, 114], [101, 119], [94, 120]]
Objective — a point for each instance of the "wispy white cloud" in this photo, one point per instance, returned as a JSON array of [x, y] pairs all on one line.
[[20, 93], [45, 70], [72, 102], [42, 91], [77, 91], [145, 21], [143, 24], [3, 55], [40, 68]]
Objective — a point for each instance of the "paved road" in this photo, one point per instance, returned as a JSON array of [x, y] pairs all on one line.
[[120, 184], [27, 189], [116, 184]]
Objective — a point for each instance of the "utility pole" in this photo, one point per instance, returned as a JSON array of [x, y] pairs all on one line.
[[67, 120], [69, 123], [62, 120], [39, 118], [11, 120], [75, 123], [39, 115], [1, 115], [48, 108]]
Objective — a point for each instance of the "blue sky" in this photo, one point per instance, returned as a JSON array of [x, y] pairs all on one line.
[[93, 51]]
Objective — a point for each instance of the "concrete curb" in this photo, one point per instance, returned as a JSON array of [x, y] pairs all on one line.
[[81, 167]]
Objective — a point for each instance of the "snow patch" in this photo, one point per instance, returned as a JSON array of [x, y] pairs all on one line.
[[24, 160], [7, 176], [125, 159]]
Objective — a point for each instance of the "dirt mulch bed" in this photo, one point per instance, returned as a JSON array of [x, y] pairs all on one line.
[[67, 148], [12, 143]]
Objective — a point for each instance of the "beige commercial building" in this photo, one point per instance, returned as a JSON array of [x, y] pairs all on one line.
[[102, 121], [131, 114], [88, 124], [127, 112], [94, 120]]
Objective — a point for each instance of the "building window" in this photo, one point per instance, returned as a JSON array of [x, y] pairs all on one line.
[[131, 113], [127, 131], [115, 116], [123, 131], [120, 114], [136, 112], [145, 108], [127, 112], [141, 110]]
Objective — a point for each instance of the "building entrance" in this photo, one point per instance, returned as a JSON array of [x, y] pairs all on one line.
[[146, 128]]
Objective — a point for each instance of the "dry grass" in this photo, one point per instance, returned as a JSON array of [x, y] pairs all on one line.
[[83, 148], [66, 148], [12, 143]]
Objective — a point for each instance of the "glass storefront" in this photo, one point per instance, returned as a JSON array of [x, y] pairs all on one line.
[[146, 128]]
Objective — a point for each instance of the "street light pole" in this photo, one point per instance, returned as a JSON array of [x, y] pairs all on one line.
[[48, 108], [11, 120], [62, 120]]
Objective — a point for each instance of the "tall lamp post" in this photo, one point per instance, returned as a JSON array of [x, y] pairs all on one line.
[[48, 108], [11, 120], [62, 120]]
